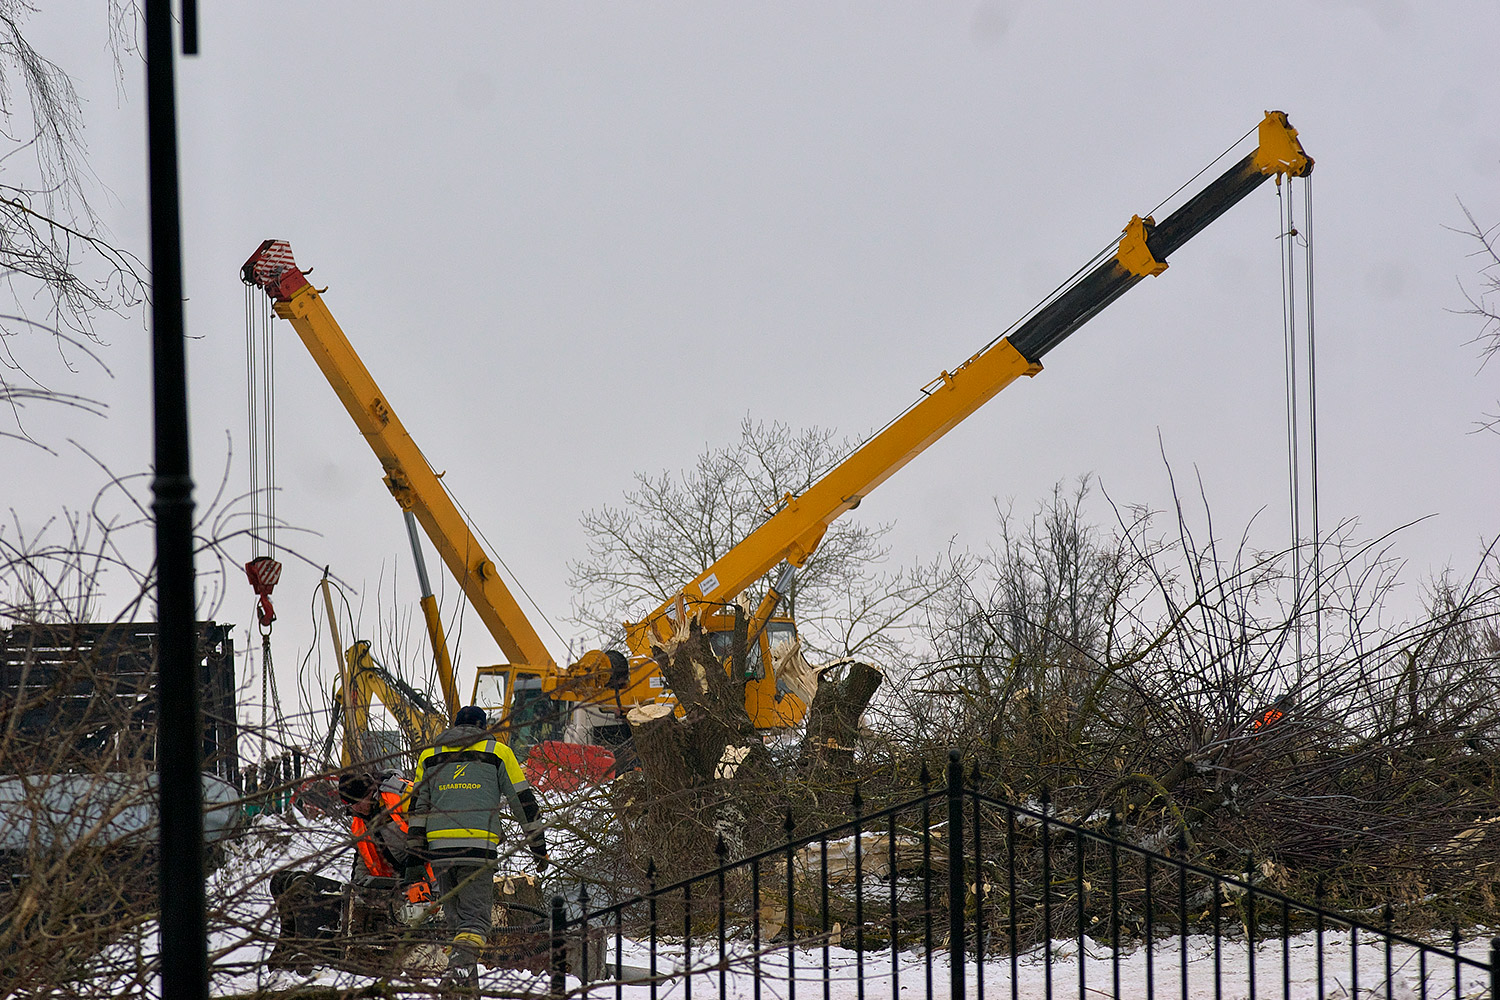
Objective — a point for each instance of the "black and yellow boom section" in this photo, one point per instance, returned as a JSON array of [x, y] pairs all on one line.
[[409, 477], [793, 532]]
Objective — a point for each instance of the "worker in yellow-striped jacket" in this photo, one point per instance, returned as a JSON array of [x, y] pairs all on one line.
[[454, 824]]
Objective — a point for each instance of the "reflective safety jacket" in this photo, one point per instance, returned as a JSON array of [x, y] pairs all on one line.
[[381, 842], [461, 783]]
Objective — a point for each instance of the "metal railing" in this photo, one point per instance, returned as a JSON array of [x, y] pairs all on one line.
[[956, 893]]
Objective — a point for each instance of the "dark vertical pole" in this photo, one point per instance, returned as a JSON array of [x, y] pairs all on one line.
[[721, 851], [559, 963], [651, 919], [1318, 903], [583, 970], [1010, 914], [1495, 968], [184, 944], [755, 927], [980, 928], [1047, 902], [956, 882], [927, 876], [791, 912], [890, 846], [687, 940], [859, 895]]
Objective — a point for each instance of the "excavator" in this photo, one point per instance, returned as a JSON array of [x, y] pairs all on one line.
[[532, 690]]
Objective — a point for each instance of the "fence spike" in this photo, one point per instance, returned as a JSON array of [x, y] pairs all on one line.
[[720, 848], [858, 802], [926, 776]]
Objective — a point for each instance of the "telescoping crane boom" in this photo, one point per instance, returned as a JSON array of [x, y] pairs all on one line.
[[793, 532], [409, 477]]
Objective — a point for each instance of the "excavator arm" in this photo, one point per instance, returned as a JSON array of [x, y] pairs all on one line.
[[419, 720], [794, 531]]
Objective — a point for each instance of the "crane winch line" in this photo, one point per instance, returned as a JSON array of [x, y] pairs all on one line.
[[1301, 383]]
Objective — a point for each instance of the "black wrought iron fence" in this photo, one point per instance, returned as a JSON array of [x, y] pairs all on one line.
[[955, 893]]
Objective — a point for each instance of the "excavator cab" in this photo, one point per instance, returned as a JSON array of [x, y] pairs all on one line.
[[514, 695], [770, 700]]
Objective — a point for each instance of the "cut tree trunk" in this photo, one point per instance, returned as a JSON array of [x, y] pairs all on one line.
[[845, 688], [706, 771]]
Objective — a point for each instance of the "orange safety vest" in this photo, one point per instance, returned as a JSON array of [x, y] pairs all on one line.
[[1272, 716], [375, 860]]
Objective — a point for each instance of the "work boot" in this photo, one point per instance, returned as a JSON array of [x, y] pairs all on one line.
[[458, 979]]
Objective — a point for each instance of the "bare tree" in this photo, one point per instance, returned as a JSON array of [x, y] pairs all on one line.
[[1176, 679], [56, 261], [1482, 300], [671, 527]]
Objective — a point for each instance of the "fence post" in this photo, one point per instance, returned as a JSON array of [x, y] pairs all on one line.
[[1495, 968], [559, 951], [955, 875]]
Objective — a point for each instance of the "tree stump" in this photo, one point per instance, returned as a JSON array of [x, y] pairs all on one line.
[[844, 690]]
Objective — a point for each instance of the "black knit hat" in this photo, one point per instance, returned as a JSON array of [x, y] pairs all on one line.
[[470, 715], [353, 787]]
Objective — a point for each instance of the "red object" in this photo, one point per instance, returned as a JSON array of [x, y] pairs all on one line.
[[263, 572], [271, 267], [565, 767]]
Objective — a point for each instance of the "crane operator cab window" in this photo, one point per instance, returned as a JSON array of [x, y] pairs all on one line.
[[777, 633], [532, 716]]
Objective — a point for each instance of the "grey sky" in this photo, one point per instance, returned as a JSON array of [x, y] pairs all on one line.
[[577, 241]]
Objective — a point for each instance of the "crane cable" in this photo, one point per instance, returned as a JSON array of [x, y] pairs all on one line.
[[262, 570], [1289, 239]]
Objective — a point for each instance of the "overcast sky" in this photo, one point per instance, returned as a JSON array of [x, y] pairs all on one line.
[[574, 242]]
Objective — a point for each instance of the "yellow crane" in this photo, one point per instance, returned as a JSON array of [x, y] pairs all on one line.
[[791, 535]]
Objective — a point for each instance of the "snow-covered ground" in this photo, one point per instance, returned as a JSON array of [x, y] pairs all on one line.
[[244, 928], [1280, 971]]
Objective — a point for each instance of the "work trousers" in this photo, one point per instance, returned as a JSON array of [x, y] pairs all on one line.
[[467, 889]]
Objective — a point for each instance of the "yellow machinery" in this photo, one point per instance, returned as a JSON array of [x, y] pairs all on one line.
[[793, 532]]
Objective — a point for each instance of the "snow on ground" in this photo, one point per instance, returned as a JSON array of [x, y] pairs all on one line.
[[1289, 970], [243, 928]]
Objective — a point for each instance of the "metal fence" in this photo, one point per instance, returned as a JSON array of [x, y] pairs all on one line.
[[954, 893]]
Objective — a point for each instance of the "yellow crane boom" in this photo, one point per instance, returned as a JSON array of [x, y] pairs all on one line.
[[794, 531], [411, 480]]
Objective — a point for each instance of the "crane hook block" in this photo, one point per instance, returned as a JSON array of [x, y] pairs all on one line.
[[263, 572], [1134, 255]]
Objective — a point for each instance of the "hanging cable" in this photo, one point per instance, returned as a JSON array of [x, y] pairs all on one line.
[[270, 697], [1312, 424], [1286, 226], [262, 571], [252, 399], [1302, 426]]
